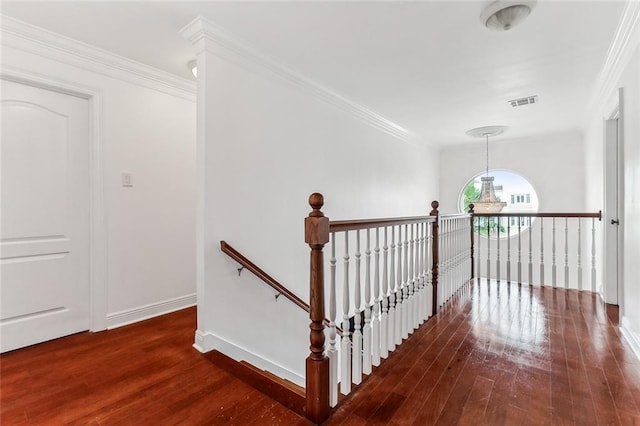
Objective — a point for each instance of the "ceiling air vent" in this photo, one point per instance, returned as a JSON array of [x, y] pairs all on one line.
[[524, 101]]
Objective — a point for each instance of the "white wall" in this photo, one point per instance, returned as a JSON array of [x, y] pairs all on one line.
[[147, 129], [268, 140], [553, 164], [627, 77]]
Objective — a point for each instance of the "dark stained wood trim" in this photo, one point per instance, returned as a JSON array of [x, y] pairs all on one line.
[[349, 225], [258, 272], [435, 255], [272, 282], [316, 235], [286, 393], [597, 215]]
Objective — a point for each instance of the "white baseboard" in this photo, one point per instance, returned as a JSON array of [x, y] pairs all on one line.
[[129, 316], [632, 338], [207, 341]]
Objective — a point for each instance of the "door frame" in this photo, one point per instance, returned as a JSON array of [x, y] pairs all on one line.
[[97, 194], [615, 112]]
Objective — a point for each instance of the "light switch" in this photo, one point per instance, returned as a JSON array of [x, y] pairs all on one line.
[[127, 179]]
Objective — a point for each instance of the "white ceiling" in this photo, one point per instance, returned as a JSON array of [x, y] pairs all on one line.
[[428, 66]]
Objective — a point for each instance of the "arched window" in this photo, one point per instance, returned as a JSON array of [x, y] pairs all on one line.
[[511, 188]]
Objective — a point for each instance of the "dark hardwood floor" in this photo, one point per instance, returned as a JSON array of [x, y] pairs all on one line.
[[503, 354], [498, 354], [143, 374]]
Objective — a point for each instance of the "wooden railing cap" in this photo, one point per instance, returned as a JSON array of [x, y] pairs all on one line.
[[316, 201]]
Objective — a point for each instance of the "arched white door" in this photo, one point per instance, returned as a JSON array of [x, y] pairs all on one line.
[[44, 234]]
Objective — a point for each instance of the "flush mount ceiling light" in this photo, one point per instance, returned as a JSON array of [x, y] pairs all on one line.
[[502, 15]]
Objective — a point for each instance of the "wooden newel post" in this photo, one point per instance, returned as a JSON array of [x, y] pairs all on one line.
[[435, 255], [471, 206], [316, 234]]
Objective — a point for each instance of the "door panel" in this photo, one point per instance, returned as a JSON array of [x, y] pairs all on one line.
[[612, 218], [44, 215]]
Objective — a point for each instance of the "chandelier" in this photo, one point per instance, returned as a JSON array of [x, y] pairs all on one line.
[[488, 202]]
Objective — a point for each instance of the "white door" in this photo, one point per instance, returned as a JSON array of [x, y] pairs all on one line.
[[44, 233], [611, 224]]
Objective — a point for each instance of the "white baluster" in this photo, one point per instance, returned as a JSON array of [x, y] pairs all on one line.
[[479, 245], [429, 260], [411, 283], [519, 250], [405, 285], [391, 335], [345, 347], [579, 254], [333, 352], [498, 253], [384, 319], [566, 252], [375, 327], [366, 335], [541, 251], [530, 252], [356, 349], [553, 252], [489, 248], [509, 249], [419, 276], [593, 255], [400, 302]]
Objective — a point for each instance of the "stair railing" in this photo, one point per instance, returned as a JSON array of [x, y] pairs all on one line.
[[389, 286]]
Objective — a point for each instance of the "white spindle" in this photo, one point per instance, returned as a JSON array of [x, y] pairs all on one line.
[[593, 255], [519, 250], [366, 334], [478, 262], [410, 284], [356, 350], [566, 252], [553, 252], [422, 277], [498, 253], [391, 335], [489, 248], [429, 257], [332, 352], [384, 319], [375, 326], [408, 263], [509, 249], [345, 348], [541, 251], [530, 252], [579, 254], [400, 302]]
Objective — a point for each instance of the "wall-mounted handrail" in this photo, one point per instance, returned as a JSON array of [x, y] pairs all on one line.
[[258, 272]]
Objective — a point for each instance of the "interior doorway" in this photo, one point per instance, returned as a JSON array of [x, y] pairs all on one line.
[[612, 230]]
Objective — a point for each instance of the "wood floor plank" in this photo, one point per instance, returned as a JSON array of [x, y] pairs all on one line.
[[496, 354]]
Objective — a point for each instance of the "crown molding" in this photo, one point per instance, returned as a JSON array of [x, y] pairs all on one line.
[[32, 39], [207, 36], [626, 39]]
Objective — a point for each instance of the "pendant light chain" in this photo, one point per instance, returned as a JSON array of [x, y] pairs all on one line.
[[487, 136]]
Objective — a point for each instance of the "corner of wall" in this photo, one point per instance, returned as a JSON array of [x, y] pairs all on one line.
[[206, 341]]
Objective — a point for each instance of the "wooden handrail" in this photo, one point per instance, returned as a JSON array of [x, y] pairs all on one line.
[[350, 225], [272, 282], [597, 215]]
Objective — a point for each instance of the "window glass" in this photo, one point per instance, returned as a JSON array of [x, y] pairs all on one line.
[[511, 188]]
